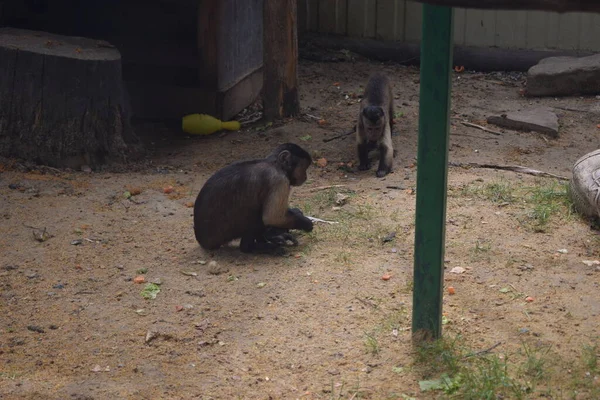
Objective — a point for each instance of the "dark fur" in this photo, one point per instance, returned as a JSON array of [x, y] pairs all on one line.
[[375, 123], [249, 200]]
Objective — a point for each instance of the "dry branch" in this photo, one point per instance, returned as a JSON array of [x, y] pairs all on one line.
[[483, 128], [513, 168]]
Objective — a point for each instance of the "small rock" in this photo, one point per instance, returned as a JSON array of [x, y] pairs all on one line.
[[322, 162], [394, 250], [139, 279], [215, 269], [563, 251], [58, 286], [538, 120], [340, 199], [98, 368], [35, 328], [389, 237], [178, 308], [157, 281], [590, 263], [31, 274], [457, 270], [77, 242]]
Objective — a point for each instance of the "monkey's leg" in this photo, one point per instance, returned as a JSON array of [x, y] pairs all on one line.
[[247, 244], [363, 156], [386, 155], [279, 236]]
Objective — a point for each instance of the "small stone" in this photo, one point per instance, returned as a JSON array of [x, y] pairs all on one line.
[[35, 328], [341, 199], [215, 269], [86, 169], [457, 270], [538, 120]]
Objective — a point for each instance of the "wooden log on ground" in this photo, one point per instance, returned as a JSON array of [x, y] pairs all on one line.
[[280, 53], [543, 5], [472, 58], [62, 101]]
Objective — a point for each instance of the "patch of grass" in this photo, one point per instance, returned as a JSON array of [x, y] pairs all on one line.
[[499, 192], [344, 257], [589, 357], [481, 249], [371, 343], [547, 200], [474, 376], [535, 361], [438, 356]]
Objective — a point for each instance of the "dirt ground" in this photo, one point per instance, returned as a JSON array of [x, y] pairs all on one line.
[[319, 323]]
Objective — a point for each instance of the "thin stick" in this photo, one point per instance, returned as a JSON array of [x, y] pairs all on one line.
[[483, 351], [349, 132], [314, 219], [325, 187], [473, 136], [252, 120], [312, 116], [483, 128], [514, 168]]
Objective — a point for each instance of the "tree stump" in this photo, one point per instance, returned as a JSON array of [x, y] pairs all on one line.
[[62, 101]]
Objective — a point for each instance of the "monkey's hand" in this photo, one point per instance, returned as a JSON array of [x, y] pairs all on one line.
[[304, 224], [300, 221]]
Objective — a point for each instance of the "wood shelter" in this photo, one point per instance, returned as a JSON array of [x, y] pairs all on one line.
[[178, 56]]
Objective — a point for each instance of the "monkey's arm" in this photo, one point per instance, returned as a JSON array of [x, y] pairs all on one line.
[[277, 214]]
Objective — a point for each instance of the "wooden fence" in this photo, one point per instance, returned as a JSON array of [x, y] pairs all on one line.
[[400, 20]]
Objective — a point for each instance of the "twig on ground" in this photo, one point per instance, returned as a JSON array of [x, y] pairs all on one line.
[[474, 137], [348, 132], [483, 128], [513, 168], [252, 119], [314, 219], [325, 187], [485, 351]]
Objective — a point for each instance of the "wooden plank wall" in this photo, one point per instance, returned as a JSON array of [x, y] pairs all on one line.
[[401, 20]]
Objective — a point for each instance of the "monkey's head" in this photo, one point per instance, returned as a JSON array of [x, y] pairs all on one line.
[[373, 119], [293, 160]]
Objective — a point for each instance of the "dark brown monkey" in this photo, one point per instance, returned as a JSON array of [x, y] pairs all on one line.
[[249, 200], [375, 122]]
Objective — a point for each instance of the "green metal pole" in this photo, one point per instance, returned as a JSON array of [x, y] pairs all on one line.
[[432, 172]]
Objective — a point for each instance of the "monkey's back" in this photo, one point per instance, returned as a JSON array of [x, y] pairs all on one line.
[[230, 203], [378, 91]]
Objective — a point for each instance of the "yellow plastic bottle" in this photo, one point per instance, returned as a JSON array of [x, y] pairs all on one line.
[[202, 124]]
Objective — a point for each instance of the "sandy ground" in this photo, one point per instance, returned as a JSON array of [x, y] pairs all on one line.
[[321, 322]]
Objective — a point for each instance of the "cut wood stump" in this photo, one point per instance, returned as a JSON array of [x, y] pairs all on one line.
[[62, 101]]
